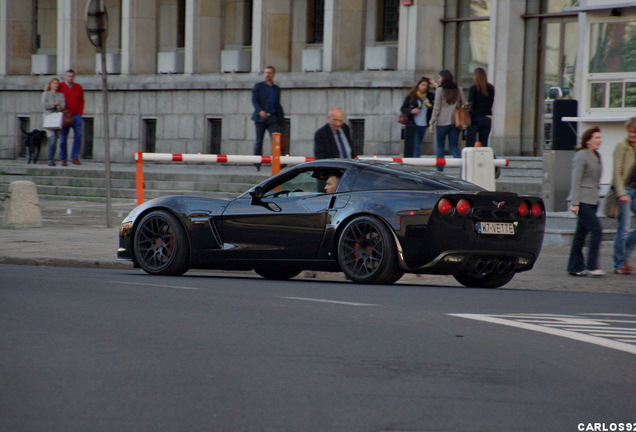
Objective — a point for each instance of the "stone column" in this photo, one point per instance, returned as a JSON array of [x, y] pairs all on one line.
[[271, 35], [203, 37], [138, 37], [421, 38], [506, 73], [74, 50], [17, 37], [344, 35]]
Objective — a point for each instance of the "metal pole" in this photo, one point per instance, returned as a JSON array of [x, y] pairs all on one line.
[[106, 133]]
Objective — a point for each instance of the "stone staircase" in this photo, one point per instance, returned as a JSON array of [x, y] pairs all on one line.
[[88, 181]]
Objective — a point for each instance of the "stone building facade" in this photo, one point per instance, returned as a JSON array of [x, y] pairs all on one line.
[[181, 71]]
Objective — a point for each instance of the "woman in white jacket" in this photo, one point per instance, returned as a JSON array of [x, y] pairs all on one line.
[[448, 97], [53, 101]]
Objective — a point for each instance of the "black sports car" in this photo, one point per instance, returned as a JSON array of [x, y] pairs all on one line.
[[383, 220]]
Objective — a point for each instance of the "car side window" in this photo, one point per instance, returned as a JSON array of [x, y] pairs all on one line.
[[304, 183]]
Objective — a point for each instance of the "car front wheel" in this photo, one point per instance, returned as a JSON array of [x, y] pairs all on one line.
[[161, 245], [367, 252]]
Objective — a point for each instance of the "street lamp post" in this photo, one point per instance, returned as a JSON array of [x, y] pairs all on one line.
[[97, 30]]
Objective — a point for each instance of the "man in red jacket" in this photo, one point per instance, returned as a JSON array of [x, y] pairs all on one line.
[[74, 95]]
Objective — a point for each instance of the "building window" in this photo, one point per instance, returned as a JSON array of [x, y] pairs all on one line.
[[357, 136], [467, 29], [389, 20], [612, 47], [247, 23], [214, 136], [149, 134], [181, 23], [612, 65], [285, 141], [88, 128], [315, 21]]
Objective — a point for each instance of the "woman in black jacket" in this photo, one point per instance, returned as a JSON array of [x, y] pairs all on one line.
[[417, 106], [481, 96]]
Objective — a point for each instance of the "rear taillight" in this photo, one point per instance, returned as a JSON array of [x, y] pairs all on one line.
[[464, 207], [524, 209], [445, 206], [534, 210]]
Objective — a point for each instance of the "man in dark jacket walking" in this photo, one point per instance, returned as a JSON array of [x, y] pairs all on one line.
[[333, 140], [268, 112]]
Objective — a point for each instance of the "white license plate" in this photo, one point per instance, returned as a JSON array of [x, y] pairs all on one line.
[[498, 228]]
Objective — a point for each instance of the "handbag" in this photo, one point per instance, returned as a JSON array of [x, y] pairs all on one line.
[[462, 118], [67, 119], [403, 119], [610, 206], [53, 120]]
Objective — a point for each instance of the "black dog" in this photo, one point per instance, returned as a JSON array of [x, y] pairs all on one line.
[[32, 142]]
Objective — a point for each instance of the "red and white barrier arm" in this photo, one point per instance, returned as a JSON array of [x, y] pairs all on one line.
[[434, 162], [295, 160], [236, 159]]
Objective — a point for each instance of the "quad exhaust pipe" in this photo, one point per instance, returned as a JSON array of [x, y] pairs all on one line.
[[490, 266]]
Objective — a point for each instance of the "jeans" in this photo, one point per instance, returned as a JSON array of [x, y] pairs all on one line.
[[413, 138], [625, 239], [52, 147], [479, 125], [587, 223], [269, 124], [77, 139], [453, 138]]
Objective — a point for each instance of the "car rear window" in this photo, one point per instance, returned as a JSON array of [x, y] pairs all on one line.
[[401, 177]]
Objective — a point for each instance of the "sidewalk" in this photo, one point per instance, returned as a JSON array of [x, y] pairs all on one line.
[[74, 234]]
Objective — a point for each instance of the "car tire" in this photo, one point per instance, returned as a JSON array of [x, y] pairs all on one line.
[[160, 244], [484, 280], [367, 252]]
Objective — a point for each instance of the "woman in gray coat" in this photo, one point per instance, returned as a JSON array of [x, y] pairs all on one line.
[[53, 101], [586, 176]]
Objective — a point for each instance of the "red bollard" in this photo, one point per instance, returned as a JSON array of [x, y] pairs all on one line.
[[139, 177]]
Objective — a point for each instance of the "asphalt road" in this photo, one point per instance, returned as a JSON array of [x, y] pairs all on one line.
[[119, 350]]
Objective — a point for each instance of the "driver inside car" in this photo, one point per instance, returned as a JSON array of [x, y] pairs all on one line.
[[332, 183]]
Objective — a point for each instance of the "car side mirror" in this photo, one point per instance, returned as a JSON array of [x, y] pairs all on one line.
[[257, 195]]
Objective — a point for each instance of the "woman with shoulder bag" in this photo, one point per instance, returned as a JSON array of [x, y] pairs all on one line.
[[447, 97], [417, 107], [53, 101]]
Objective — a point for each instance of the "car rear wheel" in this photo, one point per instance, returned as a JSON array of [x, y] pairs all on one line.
[[277, 273], [367, 252], [161, 245], [484, 280]]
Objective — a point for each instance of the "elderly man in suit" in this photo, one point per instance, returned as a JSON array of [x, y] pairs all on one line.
[[268, 112], [333, 140]]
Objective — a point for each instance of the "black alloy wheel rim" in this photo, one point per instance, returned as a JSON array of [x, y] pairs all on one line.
[[362, 249], [156, 243]]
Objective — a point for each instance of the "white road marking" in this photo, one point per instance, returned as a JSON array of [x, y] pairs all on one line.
[[509, 320], [157, 285], [329, 301]]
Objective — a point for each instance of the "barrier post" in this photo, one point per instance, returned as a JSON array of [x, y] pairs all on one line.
[[478, 167], [276, 144], [139, 177]]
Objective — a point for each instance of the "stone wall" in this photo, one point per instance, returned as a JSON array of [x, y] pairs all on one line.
[[182, 105]]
